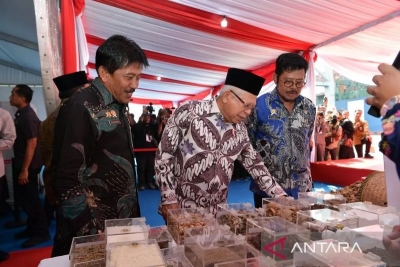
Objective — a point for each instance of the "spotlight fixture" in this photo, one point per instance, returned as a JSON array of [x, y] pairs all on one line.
[[158, 78], [224, 22]]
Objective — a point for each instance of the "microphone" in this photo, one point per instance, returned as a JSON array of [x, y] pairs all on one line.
[[374, 111]]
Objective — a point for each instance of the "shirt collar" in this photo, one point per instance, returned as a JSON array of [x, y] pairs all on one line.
[[105, 93], [214, 106], [22, 110], [275, 97]]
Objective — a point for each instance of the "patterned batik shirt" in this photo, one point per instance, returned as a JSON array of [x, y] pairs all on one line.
[[93, 161], [283, 140], [390, 143], [195, 158]]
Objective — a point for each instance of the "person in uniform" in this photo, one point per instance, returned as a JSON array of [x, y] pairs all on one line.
[[201, 141], [67, 85], [93, 161]]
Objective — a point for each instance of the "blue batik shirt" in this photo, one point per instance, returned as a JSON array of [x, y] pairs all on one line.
[[282, 138]]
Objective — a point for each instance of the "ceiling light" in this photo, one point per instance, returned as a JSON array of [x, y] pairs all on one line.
[[224, 22], [158, 78]]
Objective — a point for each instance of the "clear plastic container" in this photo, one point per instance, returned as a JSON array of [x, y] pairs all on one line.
[[94, 263], [236, 215], [143, 253], [369, 213], [175, 257], [286, 207], [206, 246], [333, 253], [181, 219], [126, 230], [162, 235], [327, 223], [255, 262], [322, 200], [275, 237], [87, 248]]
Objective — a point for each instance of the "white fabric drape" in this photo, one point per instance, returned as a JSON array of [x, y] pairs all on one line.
[[83, 51], [309, 89]]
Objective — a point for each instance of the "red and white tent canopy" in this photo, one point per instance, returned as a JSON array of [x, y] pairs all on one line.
[[191, 52]]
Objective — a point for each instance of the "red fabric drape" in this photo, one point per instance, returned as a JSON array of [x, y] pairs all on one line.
[[166, 104], [208, 22], [167, 58], [78, 6], [199, 96], [142, 101], [69, 53]]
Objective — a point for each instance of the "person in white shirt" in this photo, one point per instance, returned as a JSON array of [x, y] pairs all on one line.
[[7, 137]]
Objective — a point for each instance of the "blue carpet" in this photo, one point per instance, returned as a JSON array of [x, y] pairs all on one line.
[[149, 200]]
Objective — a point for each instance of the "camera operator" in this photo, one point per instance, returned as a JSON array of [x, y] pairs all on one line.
[[162, 118]]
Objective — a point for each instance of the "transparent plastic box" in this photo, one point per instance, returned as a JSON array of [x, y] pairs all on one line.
[[327, 223], [143, 253], [333, 253], [131, 229], [369, 213], [94, 263], [181, 219], [322, 200], [162, 235], [275, 237], [175, 257], [236, 215], [87, 248], [255, 262], [206, 246], [286, 207]]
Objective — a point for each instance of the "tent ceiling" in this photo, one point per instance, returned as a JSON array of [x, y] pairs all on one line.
[[18, 39], [191, 52]]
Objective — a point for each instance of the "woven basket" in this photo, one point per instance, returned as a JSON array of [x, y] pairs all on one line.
[[373, 189]]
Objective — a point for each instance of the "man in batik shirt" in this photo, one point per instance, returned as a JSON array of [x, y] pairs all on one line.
[[67, 85], [195, 159], [93, 161], [281, 127]]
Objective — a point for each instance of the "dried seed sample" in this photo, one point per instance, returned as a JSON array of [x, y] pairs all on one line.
[[88, 253]]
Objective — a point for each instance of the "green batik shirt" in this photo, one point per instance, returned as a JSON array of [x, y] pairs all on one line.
[[93, 162]]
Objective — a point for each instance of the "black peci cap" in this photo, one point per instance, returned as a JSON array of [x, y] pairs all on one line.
[[71, 80], [245, 80]]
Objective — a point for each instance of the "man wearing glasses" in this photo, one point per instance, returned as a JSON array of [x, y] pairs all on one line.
[[201, 141], [280, 128]]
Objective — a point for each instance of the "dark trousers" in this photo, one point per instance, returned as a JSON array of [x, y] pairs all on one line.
[[239, 171], [145, 167], [346, 152], [333, 152], [28, 197], [359, 148]]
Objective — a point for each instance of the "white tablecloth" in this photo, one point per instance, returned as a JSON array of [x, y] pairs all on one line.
[[62, 261]]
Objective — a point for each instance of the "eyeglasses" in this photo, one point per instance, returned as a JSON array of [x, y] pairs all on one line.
[[246, 105], [291, 83]]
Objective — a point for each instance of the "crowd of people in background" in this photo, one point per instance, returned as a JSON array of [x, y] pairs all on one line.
[[87, 144], [337, 136]]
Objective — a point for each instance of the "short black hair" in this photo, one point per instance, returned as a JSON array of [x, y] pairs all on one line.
[[117, 52], [24, 91], [290, 62]]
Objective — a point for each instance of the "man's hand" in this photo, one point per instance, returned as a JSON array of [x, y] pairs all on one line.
[[369, 138], [348, 142], [387, 86], [23, 177], [391, 242], [165, 209]]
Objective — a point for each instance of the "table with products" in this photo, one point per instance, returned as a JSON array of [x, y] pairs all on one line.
[[241, 235]]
